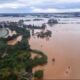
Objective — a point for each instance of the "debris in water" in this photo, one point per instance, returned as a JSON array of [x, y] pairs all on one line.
[[41, 46], [69, 67], [67, 72], [53, 59]]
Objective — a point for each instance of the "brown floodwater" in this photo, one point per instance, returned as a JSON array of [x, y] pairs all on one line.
[[63, 51]]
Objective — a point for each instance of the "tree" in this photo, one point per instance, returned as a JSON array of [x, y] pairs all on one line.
[[52, 22], [38, 74]]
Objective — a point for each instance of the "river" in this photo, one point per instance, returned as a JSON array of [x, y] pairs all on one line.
[[64, 47]]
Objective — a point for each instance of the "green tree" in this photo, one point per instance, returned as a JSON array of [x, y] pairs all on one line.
[[38, 74]]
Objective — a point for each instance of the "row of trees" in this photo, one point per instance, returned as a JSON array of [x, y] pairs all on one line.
[[46, 34]]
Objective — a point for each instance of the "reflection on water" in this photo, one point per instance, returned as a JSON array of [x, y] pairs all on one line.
[[63, 51]]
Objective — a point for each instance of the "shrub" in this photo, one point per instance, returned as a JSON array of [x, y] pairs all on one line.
[[38, 74]]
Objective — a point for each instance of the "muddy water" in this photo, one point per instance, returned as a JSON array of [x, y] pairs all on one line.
[[64, 47]]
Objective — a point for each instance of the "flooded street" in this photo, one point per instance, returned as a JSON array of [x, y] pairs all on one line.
[[64, 47]]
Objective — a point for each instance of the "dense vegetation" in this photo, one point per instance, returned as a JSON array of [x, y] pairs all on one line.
[[38, 75], [52, 22], [13, 25], [15, 61], [46, 34]]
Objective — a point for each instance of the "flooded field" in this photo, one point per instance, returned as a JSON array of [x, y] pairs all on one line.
[[63, 51], [62, 48]]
